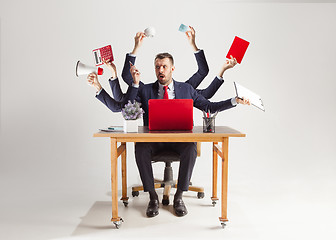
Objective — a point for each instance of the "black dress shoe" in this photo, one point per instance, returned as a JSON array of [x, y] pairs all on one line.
[[153, 208], [180, 208]]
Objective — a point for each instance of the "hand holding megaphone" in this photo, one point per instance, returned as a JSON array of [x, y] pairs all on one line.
[[92, 79]]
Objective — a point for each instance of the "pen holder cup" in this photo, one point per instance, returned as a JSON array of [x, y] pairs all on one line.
[[208, 124]]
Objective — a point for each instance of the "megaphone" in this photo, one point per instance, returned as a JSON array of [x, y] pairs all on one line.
[[82, 69]]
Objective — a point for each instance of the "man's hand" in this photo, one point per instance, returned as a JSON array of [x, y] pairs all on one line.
[[243, 101], [138, 39], [135, 74], [93, 81], [229, 63], [112, 67], [191, 35]]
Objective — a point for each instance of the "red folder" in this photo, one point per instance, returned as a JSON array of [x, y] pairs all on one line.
[[238, 49]]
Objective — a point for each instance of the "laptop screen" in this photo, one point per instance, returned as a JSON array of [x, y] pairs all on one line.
[[170, 114]]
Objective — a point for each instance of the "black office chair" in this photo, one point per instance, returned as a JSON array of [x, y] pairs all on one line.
[[168, 182]]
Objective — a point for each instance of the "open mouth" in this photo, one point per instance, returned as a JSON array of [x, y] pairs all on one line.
[[161, 76]]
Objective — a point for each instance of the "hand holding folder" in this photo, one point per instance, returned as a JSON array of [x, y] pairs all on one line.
[[254, 98]]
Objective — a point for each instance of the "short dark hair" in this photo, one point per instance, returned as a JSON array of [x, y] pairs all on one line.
[[165, 55]]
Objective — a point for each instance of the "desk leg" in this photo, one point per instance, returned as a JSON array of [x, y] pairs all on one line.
[[225, 149], [124, 176], [114, 183], [214, 197]]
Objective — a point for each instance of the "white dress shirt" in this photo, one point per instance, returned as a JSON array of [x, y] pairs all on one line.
[[170, 90]]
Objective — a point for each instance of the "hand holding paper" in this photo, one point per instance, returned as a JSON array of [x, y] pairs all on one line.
[[243, 101], [243, 92]]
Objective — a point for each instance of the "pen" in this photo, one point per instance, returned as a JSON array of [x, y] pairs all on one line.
[[215, 114], [136, 70], [204, 115], [208, 113]]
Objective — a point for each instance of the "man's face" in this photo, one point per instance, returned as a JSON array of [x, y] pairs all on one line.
[[164, 70]]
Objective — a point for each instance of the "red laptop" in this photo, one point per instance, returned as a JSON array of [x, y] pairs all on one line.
[[170, 114]]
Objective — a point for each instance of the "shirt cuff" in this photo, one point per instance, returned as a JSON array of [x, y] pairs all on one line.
[[220, 78], [135, 85], [198, 51], [132, 55], [97, 93], [234, 101]]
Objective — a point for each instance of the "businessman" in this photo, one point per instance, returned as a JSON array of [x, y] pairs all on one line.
[[194, 80], [166, 87]]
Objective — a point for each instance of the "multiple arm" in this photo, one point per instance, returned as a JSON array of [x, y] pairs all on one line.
[[130, 58], [218, 81], [203, 68], [102, 95], [126, 74], [194, 80], [132, 76]]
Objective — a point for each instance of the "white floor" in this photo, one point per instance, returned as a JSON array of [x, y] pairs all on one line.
[[266, 211]]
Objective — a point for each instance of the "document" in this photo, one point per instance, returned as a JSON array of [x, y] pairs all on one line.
[[112, 129], [254, 98]]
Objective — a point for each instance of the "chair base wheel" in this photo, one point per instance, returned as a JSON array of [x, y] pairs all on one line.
[[223, 224], [117, 224], [135, 193], [200, 195]]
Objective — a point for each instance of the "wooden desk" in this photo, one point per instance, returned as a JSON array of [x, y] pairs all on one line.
[[221, 135]]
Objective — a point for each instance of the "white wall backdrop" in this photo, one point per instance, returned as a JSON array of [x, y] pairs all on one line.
[[49, 116]]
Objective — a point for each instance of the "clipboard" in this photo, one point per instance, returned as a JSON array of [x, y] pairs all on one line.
[[238, 49], [254, 98]]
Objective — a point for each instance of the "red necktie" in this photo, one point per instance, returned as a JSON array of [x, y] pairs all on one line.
[[165, 95]]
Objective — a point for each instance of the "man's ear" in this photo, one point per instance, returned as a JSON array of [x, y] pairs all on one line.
[[173, 68]]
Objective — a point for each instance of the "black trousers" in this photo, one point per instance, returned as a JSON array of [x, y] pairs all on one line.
[[143, 156]]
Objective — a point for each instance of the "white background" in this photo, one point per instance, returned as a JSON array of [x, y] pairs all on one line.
[[51, 162]]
